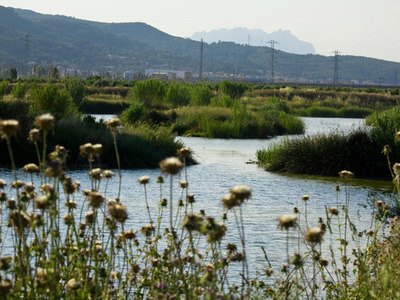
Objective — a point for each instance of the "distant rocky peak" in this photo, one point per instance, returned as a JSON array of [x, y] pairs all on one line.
[[285, 40]]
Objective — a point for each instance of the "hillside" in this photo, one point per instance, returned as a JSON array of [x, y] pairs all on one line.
[[29, 39]]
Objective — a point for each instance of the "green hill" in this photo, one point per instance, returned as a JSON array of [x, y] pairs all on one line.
[[53, 40]]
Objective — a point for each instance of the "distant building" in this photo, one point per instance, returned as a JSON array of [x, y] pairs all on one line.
[[168, 74], [128, 75]]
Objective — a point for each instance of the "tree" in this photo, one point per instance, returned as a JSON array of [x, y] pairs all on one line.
[[77, 90], [3, 88], [51, 98], [19, 90], [149, 92], [178, 94], [235, 90], [13, 73], [201, 95]]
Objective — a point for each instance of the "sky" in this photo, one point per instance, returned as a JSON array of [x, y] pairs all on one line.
[[353, 27]]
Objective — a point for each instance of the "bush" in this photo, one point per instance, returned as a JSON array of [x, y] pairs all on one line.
[[3, 88], [354, 112], [19, 90], [224, 101], [274, 103], [327, 154], [323, 112], [134, 113], [178, 95], [151, 92], [200, 95], [76, 89], [235, 90]]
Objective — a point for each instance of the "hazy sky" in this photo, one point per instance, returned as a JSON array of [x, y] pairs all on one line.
[[354, 27]]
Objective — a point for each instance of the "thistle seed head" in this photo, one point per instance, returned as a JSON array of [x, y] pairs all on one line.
[[184, 152], [314, 235], [114, 124], [118, 212], [45, 122], [95, 199], [8, 128], [193, 222], [96, 174], [346, 175], [171, 165], [396, 169], [305, 198], [241, 192], [229, 201], [34, 135], [287, 221], [73, 285], [108, 174], [183, 184], [333, 210], [2, 184], [144, 180]]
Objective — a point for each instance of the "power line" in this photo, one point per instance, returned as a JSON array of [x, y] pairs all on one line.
[[26, 52], [272, 58], [201, 60], [336, 69]]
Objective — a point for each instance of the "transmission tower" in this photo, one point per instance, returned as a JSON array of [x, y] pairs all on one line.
[[395, 77], [201, 60], [272, 58], [26, 53], [336, 69]]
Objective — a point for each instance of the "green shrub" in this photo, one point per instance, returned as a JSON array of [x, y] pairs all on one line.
[[19, 90], [323, 112], [178, 95], [274, 103], [385, 125], [134, 113], [151, 92], [3, 88], [200, 95], [77, 90], [327, 154], [354, 112], [104, 106], [224, 101], [53, 99], [235, 90]]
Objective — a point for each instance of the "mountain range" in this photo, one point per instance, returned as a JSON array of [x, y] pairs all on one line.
[[29, 39], [283, 39]]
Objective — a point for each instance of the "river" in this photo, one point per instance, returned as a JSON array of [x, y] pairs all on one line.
[[222, 165]]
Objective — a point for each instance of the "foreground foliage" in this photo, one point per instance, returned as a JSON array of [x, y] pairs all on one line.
[[71, 245]]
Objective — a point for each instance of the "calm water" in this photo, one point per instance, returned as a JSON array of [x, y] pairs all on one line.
[[222, 164]]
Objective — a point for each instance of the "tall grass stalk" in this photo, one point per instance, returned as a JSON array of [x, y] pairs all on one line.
[[94, 254]]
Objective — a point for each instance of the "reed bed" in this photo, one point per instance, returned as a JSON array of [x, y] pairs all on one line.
[[327, 153]]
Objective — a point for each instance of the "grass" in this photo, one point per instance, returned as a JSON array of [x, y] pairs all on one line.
[[142, 145], [235, 122], [327, 154], [71, 245], [104, 104]]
